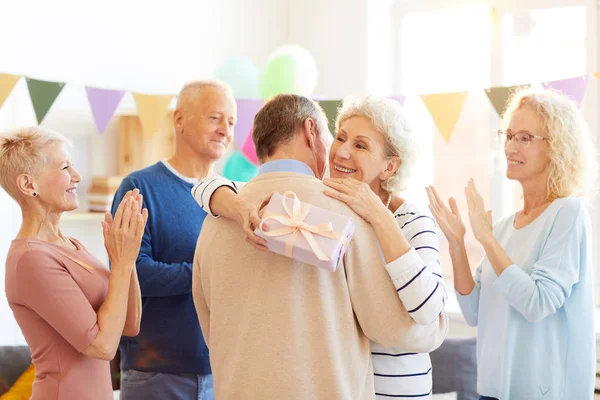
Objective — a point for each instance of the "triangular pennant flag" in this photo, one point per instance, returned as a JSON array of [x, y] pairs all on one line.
[[445, 109], [330, 107], [103, 103], [7, 83], [43, 94], [597, 75], [499, 96], [246, 110], [399, 99], [151, 110], [574, 88]]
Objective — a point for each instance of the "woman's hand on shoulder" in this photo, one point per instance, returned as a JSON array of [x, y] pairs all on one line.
[[358, 196]]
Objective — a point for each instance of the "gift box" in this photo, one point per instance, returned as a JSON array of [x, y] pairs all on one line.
[[305, 233]]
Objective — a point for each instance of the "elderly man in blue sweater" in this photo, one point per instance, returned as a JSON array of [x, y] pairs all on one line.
[[169, 358]]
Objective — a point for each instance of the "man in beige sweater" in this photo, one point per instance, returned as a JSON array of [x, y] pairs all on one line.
[[279, 329]]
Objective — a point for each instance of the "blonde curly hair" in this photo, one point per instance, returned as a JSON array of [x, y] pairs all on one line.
[[573, 165]]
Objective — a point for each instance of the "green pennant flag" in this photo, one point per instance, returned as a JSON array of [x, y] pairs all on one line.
[[499, 96], [43, 94], [330, 107]]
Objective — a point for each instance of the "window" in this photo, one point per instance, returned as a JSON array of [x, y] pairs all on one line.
[[447, 47], [448, 51]]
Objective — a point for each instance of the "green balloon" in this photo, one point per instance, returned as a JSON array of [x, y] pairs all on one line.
[[292, 69], [238, 168]]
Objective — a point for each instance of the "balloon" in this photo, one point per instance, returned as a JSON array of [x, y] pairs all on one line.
[[238, 168], [242, 75], [290, 69], [246, 110], [249, 150]]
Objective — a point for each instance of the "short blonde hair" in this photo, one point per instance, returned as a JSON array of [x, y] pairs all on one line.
[[21, 152], [573, 165], [388, 118]]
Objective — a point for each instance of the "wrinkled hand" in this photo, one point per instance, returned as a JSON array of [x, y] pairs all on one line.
[[358, 196], [123, 235], [248, 217], [448, 219], [481, 219]]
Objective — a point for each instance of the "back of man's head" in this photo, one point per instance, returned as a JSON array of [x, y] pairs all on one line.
[[278, 120]]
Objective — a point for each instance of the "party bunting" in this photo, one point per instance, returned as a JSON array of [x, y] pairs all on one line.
[[399, 99], [103, 103], [445, 109], [43, 94], [152, 110], [499, 96], [246, 110], [249, 150], [574, 88], [330, 107], [7, 83]]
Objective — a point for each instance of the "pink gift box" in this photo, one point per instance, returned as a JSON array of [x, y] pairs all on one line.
[[306, 233]]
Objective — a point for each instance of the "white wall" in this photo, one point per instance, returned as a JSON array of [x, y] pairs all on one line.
[[116, 44], [335, 32], [133, 45]]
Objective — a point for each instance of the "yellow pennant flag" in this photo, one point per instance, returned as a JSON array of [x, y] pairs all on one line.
[[597, 75], [7, 83], [445, 109], [151, 110]]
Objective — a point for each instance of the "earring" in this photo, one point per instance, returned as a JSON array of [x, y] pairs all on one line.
[[34, 194]]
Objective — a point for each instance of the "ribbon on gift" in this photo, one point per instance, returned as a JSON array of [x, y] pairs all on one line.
[[294, 224]]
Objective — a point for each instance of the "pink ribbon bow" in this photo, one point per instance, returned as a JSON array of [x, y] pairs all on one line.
[[294, 224]]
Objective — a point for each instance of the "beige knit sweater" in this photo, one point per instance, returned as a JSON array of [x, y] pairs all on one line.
[[278, 329]]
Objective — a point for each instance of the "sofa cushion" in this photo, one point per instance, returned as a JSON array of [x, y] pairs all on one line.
[[454, 367], [21, 389], [14, 360]]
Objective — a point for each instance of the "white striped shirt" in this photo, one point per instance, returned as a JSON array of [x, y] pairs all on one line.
[[417, 277]]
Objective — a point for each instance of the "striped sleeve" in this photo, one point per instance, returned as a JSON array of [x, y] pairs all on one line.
[[417, 275], [204, 190]]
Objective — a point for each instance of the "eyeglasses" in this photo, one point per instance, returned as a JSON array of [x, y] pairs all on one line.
[[522, 139]]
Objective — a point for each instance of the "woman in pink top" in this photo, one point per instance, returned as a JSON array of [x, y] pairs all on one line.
[[71, 309]]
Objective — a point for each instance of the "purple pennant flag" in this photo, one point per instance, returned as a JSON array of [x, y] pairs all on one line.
[[399, 99], [574, 88], [103, 103], [246, 110]]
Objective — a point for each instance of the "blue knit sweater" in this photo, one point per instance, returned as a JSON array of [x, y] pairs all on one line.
[[170, 339]]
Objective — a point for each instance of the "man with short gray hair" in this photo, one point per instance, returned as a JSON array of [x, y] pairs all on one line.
[[169, 358], [280, 329]]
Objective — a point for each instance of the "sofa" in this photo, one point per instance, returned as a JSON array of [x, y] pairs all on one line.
[[14, 360], [454, 367]]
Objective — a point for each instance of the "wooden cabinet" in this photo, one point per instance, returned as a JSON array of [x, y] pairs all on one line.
[[137, 150]]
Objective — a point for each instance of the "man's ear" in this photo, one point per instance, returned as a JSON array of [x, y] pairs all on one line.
[[309, 129], [178, 120]]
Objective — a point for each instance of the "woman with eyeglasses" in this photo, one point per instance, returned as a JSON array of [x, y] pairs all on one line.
[[532, 295]]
